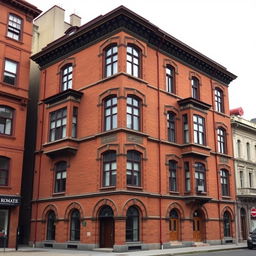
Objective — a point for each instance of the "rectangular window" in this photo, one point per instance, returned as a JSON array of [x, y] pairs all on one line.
[[74, 122], [10, 72], [250, 180], [241, 179], [199, 130], [187, 177], [185, 129], [58, 123], [14, 27]]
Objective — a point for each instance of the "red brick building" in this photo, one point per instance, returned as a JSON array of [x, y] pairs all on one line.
[[134, 148], [15, 48]]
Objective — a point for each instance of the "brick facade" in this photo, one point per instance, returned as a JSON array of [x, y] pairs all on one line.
[[123, 161], [15, 48]]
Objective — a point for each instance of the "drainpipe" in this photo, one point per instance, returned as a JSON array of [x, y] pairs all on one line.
[[40, 160], [159, 150], [216, 159], [235, 189]]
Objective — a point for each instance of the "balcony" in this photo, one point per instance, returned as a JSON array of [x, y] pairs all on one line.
[[63, 147], [246, 192]]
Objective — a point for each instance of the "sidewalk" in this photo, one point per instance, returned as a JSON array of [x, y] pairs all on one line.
[[26, 251]]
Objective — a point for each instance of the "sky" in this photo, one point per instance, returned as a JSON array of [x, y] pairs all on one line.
[[223, 30]]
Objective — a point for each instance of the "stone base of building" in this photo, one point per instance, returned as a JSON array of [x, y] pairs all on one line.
[[126, 247]]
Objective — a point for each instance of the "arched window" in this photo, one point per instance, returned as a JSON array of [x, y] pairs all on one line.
[[219, 100], [51, 220], [173, 176], [75, 225], [14, 27], [132, 224], [4, 170], [171, 126], [6, 120], [133, 168], [111, 60], [109, 168], [133, 113], [224, 180], [200, 177], [66, 77], [221, 136], [10, 72], [195, 87], [133, 62], [248, 151], [227, 224], [170, 72], [60, 177], [238, 148], [110, 113]]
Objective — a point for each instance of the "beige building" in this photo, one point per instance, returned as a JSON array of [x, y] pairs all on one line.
[[47, 27], [244, 140]]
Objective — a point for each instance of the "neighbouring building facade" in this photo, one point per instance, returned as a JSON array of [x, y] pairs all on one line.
[[16, 23], [244, 141], [134, 145], [46, 28]]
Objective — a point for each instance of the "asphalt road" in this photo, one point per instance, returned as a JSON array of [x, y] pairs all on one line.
[[240, 252]]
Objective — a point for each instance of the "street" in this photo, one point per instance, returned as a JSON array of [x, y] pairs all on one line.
[[240, 252]]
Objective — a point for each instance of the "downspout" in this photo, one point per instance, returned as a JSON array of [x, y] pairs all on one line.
[[40, 161], [159, 150], [235, 188], [216, 158]]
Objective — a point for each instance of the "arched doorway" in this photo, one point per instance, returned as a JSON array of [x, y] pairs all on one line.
[[51, 221], [227, 224], [243, 224], [174, 225], [107, 227], [198, 226]]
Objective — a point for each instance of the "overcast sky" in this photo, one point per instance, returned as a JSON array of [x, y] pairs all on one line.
[[223, 30]]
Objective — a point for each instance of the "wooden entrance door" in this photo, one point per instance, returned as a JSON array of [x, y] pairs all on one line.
[[174, 229], [106, 233], [243, 223], [197, 229], [174, 226], [198, 226]]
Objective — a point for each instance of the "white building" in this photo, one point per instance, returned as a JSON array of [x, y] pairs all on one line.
[[244, 141]]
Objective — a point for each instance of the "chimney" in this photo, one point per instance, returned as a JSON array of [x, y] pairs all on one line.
[[237, 111], [75, 20]]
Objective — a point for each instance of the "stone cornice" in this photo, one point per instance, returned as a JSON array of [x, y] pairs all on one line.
[[122, 19], [23, 6]]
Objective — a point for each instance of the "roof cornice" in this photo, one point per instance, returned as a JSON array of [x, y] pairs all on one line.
[[123, 19], [23, 6]]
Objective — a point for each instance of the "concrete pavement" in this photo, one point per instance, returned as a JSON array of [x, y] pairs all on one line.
[[26, 251]]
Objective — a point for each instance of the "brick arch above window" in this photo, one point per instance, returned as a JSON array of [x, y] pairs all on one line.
[[168, 108], [198, 208], [171, 63], [137, 43], [136, 93], [108, 42], [104, 202], [71, 207], [65, 62], [225, 167], [107, 147], [172, 157], [177, 207], [196, 75], [229, 210], [137, 203], [50, 207], [135, 147], [107, 93]]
